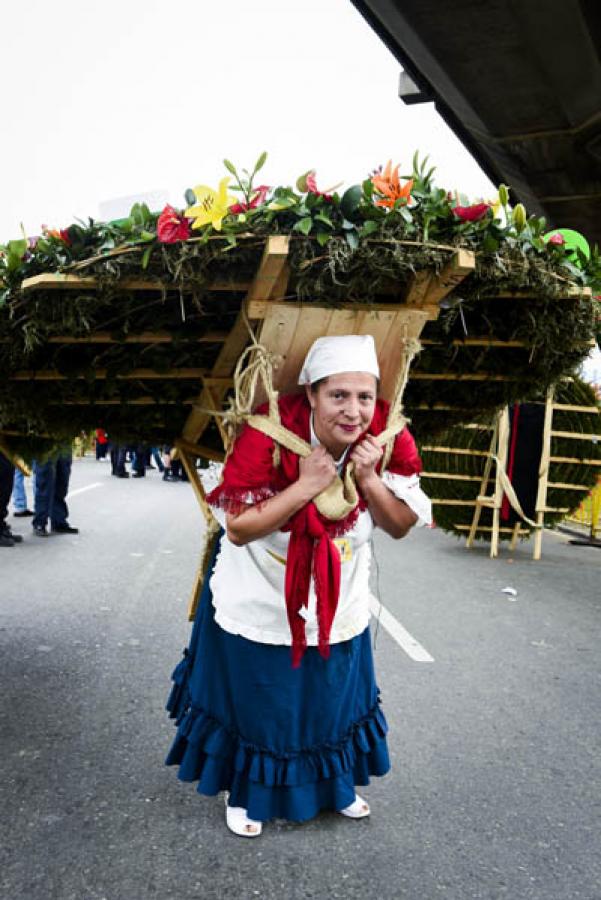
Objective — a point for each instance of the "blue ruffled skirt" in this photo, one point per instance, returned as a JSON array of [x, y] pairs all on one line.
[[286, 743]]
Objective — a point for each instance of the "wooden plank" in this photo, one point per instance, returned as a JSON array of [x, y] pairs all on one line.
[[575, 436], [452, 502], [502, 453], [483, 486], [269, 284], [199, 450], [543, 474], [451, 476], [407, 324], [144, 337], [269, 273], [257, 309], [567, 487], [66, 281], [568, 407], [199, 491], [312, 323], [461, 264], [101, 375], [480, 342], [575, 461], [470, 376], [461, 450], [489, 528]]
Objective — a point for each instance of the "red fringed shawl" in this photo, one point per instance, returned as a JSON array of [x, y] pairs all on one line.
[[249, 477]]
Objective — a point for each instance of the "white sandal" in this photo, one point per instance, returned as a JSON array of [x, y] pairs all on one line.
[[358, 809], [238, 822]]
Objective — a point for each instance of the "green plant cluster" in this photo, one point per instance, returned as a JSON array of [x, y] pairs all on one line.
[[362, 245]]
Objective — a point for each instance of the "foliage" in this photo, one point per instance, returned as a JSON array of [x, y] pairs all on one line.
[[363, 244]]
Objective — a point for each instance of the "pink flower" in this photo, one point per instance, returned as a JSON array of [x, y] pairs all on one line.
[[471, 213], [172, 226], [258, 199], [557, 239]]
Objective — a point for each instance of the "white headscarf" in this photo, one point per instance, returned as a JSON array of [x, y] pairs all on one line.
[[343, 353]]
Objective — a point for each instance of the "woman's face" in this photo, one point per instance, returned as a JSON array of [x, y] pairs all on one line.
[[343, 407]]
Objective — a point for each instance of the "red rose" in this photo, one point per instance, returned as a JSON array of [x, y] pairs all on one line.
[[172, 226]]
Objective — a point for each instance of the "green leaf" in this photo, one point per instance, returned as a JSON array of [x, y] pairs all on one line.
[[230, 167], [321, 217], [351, 199], [146, 257], [304, 225], [260, 162], [322, 238], [369, 227], [190, 197], [147, 236], [405, 214]]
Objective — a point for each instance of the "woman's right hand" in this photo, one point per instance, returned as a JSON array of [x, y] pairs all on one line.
[[316, 471]]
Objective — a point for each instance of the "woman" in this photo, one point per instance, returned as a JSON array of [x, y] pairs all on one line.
[[276, 699]]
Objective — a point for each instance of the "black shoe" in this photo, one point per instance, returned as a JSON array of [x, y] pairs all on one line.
[[122, 474], [7, 533], [22, 513], [138, 475], [65, 528], [6, 540], [40, 531]]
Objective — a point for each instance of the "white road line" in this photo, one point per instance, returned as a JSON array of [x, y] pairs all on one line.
[[88, 487], [398, 633]]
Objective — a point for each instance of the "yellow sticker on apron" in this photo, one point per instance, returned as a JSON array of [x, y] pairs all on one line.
[[344, 548]]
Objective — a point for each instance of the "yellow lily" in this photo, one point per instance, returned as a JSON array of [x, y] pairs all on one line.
[[212, 205]]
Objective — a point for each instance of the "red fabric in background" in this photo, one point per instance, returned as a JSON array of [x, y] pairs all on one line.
[[505, 505]]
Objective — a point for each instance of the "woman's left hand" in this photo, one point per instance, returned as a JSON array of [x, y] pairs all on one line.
[[366, 457]]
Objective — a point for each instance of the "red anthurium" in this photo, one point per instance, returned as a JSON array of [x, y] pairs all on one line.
[[258, 199], [172, 226], [471, 213], [557, 239]]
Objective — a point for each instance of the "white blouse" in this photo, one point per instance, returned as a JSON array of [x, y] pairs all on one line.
[[248, 582]]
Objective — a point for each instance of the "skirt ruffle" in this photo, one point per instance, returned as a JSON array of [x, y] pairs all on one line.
[[287, 746]]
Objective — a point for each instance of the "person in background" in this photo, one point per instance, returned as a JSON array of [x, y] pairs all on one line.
[[138, 463], [19, 496], [102, 443], [118, 454], [50, 492], [7, 472]]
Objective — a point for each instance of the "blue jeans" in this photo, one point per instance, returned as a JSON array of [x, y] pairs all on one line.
[[51, 487], [19, 497]]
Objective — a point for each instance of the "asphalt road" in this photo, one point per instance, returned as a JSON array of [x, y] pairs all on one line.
[[495, 790]]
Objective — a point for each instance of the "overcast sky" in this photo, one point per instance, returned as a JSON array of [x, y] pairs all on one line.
[[108, 100], [113, 99]]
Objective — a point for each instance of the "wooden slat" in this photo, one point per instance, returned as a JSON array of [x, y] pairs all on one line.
[[470, 376], [199, 450], [489, 528], [450, 476], [567, 487], [101, 375], [65, 281], [144, 337], [575, 436], [461, 450], [461, 264], [575, 461], [269, 284], [568, 407]]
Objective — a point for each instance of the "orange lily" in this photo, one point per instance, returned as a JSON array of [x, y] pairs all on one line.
[[389, 186]]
